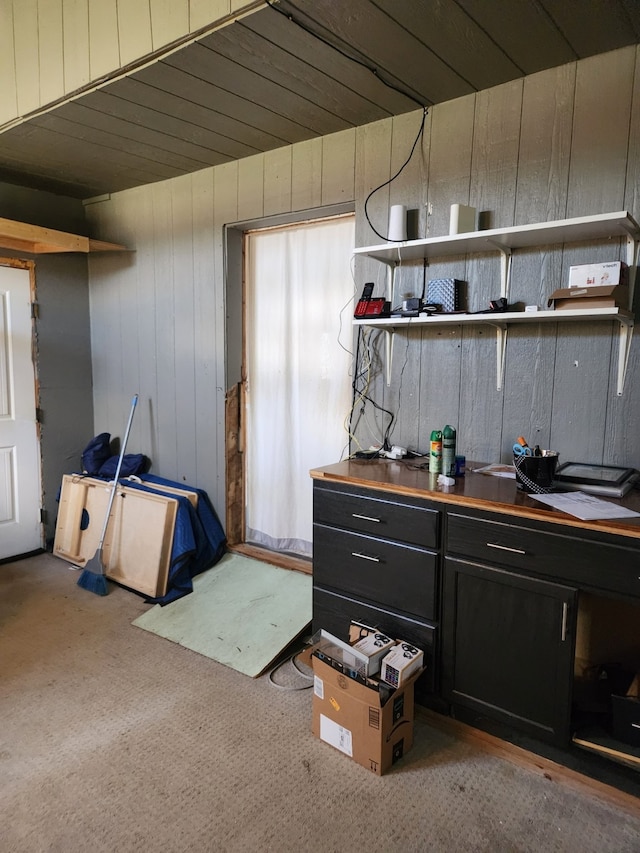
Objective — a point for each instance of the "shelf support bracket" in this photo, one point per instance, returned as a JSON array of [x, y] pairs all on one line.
[[633, 249], [625, 335], [389, 353], [501, 349], [505, 268]]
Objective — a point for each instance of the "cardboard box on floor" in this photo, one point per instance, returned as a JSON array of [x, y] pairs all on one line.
[[355, 719]]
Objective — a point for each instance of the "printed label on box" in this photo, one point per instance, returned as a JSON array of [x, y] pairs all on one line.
[[398, 708], [318, 687], [336, 735]]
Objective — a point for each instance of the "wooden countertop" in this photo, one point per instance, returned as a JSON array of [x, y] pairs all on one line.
[[480, 491]]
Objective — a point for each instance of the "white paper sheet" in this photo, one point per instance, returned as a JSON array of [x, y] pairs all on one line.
[[584, 506], [495, 469]]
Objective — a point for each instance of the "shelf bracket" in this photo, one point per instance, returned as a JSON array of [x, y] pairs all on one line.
[[389, 353], [505, 268], [625, 335], [501, 349], [633, 245]]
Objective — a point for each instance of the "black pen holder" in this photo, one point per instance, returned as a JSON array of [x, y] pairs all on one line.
[[535, 473]]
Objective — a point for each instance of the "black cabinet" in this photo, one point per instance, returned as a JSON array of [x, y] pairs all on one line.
[[517, 608], [376, 560], [508, 648]]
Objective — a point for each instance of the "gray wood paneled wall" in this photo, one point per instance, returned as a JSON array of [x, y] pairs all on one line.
[[50, 48], [561, 143]]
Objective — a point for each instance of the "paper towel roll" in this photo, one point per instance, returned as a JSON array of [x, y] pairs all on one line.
[[398, 222]]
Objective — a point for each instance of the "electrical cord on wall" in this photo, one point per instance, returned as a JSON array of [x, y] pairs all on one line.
[[361, 395], [384, 237], [401, 91]]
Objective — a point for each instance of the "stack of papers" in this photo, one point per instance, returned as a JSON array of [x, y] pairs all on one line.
[[584, 506]]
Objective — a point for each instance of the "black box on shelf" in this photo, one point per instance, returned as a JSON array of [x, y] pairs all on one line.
[[445, 292]]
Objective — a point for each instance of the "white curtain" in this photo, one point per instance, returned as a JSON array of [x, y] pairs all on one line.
[[298, 291]]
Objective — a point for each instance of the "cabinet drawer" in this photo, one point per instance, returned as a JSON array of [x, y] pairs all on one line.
[[407, 522], [335, 613], [397, 576], [599, 565]]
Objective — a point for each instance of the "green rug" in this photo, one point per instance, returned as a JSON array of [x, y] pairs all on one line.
[[241, 613]]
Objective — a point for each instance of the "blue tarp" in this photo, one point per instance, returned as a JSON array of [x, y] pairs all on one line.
[[198, 539]]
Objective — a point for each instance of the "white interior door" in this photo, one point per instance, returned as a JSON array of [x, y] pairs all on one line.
[[20, 491]]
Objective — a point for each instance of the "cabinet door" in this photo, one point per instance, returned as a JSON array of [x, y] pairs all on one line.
[[508, 648]]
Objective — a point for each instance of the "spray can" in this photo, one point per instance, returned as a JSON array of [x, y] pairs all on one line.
[[449, 451], [435, 452]]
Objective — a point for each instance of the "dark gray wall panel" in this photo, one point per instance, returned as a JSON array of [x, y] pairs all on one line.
[[64, 368], [515, 152]]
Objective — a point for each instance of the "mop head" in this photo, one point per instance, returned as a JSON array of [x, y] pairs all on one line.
[[93, 577]]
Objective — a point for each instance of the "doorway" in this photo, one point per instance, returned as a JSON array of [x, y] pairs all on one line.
[[20, 469], [295, 390]]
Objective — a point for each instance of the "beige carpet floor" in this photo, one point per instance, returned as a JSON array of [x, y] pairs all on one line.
[[113, 739]]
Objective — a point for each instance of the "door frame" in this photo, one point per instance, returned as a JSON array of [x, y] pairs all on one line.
[[20, 263], [234, 247]]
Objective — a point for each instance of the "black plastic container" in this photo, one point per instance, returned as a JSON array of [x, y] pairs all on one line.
[[535, 473]]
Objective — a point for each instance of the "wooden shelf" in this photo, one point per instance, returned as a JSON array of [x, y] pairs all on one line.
[[22, 237], [501, 321], [582, 228], [498, 318], [504, 240]]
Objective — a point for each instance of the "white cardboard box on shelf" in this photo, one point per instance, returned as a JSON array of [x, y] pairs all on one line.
[[599, 275]]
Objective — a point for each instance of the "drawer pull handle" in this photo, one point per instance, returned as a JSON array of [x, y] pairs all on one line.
[[365, 557], [635, 725], [504, 548], [365, 517], [565, 613]]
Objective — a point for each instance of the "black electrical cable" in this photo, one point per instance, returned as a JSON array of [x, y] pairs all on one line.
[[355, 392], [360, 395], [388, 239], [344, 53], [374, 71]]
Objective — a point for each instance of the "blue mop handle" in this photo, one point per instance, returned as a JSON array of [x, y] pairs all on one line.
[[134, 403]]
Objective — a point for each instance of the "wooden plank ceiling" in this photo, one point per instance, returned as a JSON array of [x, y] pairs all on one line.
[[295, 70]]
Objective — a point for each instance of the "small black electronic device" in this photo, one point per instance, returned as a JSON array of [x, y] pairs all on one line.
[[410, 308], [496, 306], [609, 480]]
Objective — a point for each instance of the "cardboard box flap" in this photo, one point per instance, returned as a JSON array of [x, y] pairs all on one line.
[[634, 688]]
